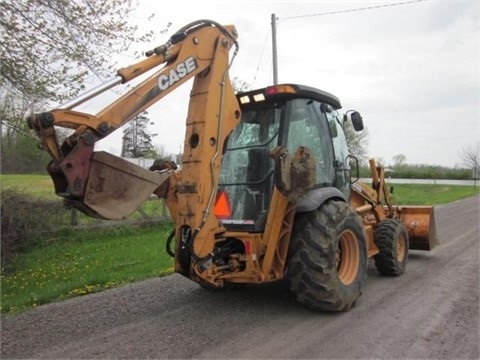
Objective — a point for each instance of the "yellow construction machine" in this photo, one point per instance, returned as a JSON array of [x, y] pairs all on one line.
[[265, 189]]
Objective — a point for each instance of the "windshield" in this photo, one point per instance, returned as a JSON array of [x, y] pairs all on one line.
[[247, 169]]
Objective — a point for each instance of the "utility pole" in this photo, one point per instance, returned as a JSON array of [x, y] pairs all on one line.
[[274, 49]]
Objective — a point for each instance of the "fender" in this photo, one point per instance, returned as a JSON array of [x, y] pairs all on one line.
[[317, 197]]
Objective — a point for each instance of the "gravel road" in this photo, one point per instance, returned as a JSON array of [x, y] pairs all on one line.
[[432, 311]]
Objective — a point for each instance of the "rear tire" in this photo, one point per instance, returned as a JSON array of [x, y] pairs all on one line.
[[391, 238], [328, 258]]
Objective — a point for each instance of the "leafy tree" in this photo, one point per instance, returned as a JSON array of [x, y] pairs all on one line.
[[14, 107], [19, 152], [156, 152], [49, 48], [137, 141], [357, 141], [240, 85], [22, 156]]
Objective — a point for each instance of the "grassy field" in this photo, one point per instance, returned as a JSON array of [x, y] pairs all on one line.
[[41, 187], [405, 194], [78, 263], [34, 184], [424, 194], [75, 262]]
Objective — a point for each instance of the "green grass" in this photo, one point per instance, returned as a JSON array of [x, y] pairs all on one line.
[[80, 262], [424, 194], [41, 187], [33, 184], [85, 262]]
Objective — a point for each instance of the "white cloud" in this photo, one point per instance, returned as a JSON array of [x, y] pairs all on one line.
[[411, 70]]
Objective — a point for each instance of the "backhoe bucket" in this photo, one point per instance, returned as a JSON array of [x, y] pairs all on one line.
[[116, 187], [420, 224]]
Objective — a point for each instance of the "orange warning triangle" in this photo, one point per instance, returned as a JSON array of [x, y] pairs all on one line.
[[222, 208]]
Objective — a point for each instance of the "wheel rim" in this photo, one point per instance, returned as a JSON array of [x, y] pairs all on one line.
[[401, 248], [348, 257]]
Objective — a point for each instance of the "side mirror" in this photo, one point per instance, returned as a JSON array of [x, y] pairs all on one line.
[[357, 121]]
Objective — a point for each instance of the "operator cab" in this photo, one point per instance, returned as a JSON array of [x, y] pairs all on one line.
[[281, 115]]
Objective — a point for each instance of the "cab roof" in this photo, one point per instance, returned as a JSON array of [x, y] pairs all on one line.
[[286, 91]]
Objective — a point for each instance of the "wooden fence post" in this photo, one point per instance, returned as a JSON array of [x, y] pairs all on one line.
[[74, 217]]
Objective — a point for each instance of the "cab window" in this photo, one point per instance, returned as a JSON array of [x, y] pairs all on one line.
[[342, 166], [307, 126]]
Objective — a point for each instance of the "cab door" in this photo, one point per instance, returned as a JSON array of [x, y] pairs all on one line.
[[340, 148], [306, 125]]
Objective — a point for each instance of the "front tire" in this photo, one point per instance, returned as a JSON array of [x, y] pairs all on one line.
[[391, 238], [328, 257]]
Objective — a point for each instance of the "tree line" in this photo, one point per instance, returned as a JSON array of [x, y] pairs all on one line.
[[422, 171]]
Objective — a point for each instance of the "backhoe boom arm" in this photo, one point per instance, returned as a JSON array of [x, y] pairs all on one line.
[[89, 180]]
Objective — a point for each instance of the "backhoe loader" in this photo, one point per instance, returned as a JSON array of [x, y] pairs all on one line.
[[266, 190]]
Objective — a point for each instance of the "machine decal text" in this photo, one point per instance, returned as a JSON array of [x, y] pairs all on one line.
[[179, 72]]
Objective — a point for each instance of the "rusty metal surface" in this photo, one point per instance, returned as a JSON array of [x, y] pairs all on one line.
[[420, 224], [116, 187]]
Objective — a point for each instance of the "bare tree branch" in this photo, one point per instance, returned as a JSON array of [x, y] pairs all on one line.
[[470, 156]]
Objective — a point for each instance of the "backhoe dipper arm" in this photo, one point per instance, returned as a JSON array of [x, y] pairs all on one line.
[[102, 185], [188, 52]]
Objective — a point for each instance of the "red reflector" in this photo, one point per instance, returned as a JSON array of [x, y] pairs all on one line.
[[248, 247], [280, 89], [222, 209], [271, 90]]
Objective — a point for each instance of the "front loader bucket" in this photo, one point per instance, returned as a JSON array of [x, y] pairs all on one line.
[[420, 224], [116, 187]]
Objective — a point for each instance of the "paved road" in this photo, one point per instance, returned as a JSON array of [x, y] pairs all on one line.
[[432, 311]]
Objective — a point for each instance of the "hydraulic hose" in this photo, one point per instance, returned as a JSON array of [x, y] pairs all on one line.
[[169, 244]]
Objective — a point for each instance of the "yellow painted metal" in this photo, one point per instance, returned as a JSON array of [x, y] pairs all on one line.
[[277, 235], [212, 114], [269, 250], [372, 249], [253, 270], [373, 205]]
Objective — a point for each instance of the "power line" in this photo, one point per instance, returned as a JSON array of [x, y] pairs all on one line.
[[261, 55], [274, 22], [353, 10]]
